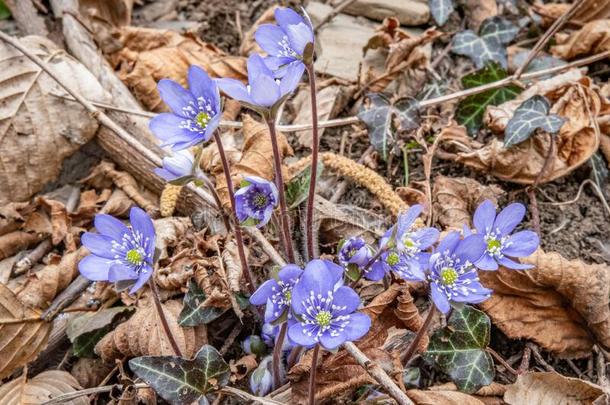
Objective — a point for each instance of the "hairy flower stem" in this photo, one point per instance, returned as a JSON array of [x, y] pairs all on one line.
[[406, 356], [237, 229], [312, 375], [162, 318], [277, 356], [279, 183], [315, 146]]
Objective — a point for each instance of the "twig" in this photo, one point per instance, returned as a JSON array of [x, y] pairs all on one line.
[[63, 398], [600, 366], [525, 361], [313, 372], [333, 14], [267, 247], [249, 397], [11, 321], [378, 374], [231, 338], [66, 297], [500, 360], [538, 357], [547, 36], [406, 356], [162, 318], [26, 262]]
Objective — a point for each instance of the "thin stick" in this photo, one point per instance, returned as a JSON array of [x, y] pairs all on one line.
[[11, 321], [265, 245], [333, 14], [406, 357], [500, 360], [248, 397], [279, 183], [378, 374], [162, 318], [312, 375], [237, 229], [277, 356], [525, 361], [315, 145], [63, 398]]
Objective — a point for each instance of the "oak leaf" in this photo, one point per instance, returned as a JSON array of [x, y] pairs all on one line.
[[551, 388]]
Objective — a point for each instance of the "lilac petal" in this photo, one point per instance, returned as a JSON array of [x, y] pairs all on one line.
[[120, 272], [175, 96], [140, 221], [290, 273], [484, 217], [142, 279], [509, 218], [299, 35], [110, 226], [211, 127], [95, 268], [406, 220], [278, 65], [377, 271], [522, 244], [269, 37], [334, 273], [471, 248], [330, 342], [359, 325], [486, 262], [439, 299], [426, 237], [315, 279], [291, 78], [271, 309], [166, 126], [263, 292], [449, 242], [200, 83], [266, 218], [98, 245], [264, 90], [257, 67], [361, 257], [513, 265], [178, 145], [164, 174], [234, 89], [286, 16], [345, 297], [298, 333], [481, 295]]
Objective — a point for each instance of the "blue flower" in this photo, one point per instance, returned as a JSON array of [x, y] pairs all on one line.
[[501, 245], [255, 201], [261, 380], [285, 43], [253, 344], [181, 164], [324, 310], [120, 252], [453, 276], [355, 251], [195, 112], [264, 90], [276, 294], [269, 334], [404, 266]]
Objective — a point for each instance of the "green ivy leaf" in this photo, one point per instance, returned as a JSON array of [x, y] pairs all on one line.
[[5, 12], [470, 111], [84, 331], [441, 10], [193, 313], [182, 381], [297, 189], [532, 114], [459, 349]]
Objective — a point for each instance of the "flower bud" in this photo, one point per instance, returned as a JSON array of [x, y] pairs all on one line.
[[261, 380], [253, 344]]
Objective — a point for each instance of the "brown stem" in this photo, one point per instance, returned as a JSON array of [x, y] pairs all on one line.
[[368, 265], [315, 146], [500, 360], [312, 375], [277, 356], [406, 357], [237, 229], [279, 183], [162, 318]]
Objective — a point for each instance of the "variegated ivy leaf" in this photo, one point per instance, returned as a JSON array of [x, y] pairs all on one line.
[[182, 381], [599, 172], [440, 10], [458, 349], [385, 118], [489, 45], [532, 114]]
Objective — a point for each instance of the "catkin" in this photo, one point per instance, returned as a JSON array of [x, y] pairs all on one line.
[[169, 199]]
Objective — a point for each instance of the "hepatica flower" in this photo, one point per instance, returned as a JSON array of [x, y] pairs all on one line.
[[501, 245], [324, 310], [255, 201], [452, 275], [276, 293], [285, 43], [180, 165], [120, 252], [195, 112], [264, 90], [355, 251]]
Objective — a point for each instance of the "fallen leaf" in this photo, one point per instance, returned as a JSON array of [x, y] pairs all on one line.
[[115, 13], [421, 397], [589, 11], [41, 388], [531, 115], [90, 372], [84, 331], [441, 10], [14, 242], [408, 12], [553, 389], [32, 154], [477, 11], [593, 38], [194, 311], [20, 343]]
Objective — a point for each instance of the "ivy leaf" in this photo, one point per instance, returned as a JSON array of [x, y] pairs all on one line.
[[440, 10], [84, 331], [193, 313], [379, 118], [182, 381], [540, 62], [297, 188], [532, 114], [459, 349], [489, 45], [470, 111], [5, 12], [599, 172]]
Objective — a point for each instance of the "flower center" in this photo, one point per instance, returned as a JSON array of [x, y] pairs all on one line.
[[287, 295], [202, 119], [259, 200], [448, 275], [393, 259], [351, 253], [323, 318], [408, 242], [134, 257], [494, 245]]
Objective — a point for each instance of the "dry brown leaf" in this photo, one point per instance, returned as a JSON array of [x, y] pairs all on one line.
[[17, 241], [593, 38], [148, 55], [421, 397], [42, 388], [118, 204], [12, 216], [115, 13], [242, 367], [589, 11], [573, 294], [37, 130], [478, 10], [143, 335], [90, 372], [553, 389], [20, 343]]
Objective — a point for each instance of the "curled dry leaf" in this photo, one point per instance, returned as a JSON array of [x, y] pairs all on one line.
[[42, 388], [143, 335], [448, 394], [32, 154], [14, 242], [149, 55], [593, 38], [589, 11], [551, 388], [20, 343]]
